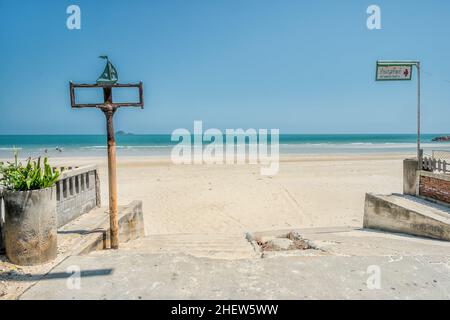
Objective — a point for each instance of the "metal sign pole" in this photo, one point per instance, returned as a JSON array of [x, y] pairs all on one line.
[[109, 111], [108, 107], [397, 70], [419, 154]]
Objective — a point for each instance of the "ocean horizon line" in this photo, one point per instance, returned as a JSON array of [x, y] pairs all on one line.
[[162, 144], [285, 133]]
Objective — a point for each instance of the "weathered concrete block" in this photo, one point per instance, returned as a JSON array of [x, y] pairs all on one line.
[[131, 226], [404, 214], [30, 226], [131, 222], [280, 243], [410, 176]]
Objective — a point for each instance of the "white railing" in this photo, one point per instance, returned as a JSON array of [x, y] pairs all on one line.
[[442, 155], [77, 192], [435, 165]]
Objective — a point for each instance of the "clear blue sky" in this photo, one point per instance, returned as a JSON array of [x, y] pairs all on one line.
[[300, 66]]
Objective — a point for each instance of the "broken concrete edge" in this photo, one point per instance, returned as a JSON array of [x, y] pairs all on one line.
[[282, 233], [382, 214], [315, 249], [256, 247], [131, 226]]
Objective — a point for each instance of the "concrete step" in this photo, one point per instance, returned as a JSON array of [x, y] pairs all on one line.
[[217, 246], [195, 236], [150, 247], [193, 245], [407, 214]]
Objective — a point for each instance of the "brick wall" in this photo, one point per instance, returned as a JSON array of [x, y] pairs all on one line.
[[435, 186]]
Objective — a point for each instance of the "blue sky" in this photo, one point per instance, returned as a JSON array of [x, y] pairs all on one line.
[[300, 66]]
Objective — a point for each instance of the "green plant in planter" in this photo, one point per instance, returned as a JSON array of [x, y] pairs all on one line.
[[30, 211], [32, 176]]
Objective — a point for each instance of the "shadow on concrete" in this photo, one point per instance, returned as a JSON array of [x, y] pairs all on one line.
[[81, 232], [425, 202], [20, 277], [399, 235]]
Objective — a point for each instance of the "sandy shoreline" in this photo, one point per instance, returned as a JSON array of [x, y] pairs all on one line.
[[308, 191]]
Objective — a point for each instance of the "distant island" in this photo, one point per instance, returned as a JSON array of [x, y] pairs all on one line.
[[441, 139], [123, 133]]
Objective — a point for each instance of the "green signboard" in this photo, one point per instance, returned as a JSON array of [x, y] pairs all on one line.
[[393, 72], [398, 70]]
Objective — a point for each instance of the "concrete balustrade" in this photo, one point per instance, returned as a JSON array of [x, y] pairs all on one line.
[[77, 192]]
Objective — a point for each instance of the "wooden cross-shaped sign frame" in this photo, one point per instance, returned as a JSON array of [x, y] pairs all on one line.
[[109, 108]]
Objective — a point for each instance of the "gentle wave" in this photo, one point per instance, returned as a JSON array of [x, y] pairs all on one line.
[[67, 146], [125, 147], [436, 146]]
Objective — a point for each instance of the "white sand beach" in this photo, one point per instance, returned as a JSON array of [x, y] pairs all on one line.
[[308, 191]]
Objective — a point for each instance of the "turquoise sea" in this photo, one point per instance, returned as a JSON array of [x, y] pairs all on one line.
[[161, 144]]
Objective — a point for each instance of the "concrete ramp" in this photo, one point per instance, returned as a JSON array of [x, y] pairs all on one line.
[[407, 214]]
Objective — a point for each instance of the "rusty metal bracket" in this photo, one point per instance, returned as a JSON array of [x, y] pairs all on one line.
[[139, 85]]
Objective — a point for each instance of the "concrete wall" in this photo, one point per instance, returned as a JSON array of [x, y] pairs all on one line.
[[435, 186], [78, 192]]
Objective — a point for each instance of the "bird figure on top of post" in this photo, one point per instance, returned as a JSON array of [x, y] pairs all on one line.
[[109, 76]]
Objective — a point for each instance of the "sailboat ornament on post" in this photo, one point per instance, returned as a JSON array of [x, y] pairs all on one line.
[[109, 75], [107, 81]]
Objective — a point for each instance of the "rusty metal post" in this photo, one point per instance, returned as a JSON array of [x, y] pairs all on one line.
[[109, 108], [109, 111]]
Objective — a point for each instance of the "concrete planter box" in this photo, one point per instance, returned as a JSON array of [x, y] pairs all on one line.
[[30, 226]]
